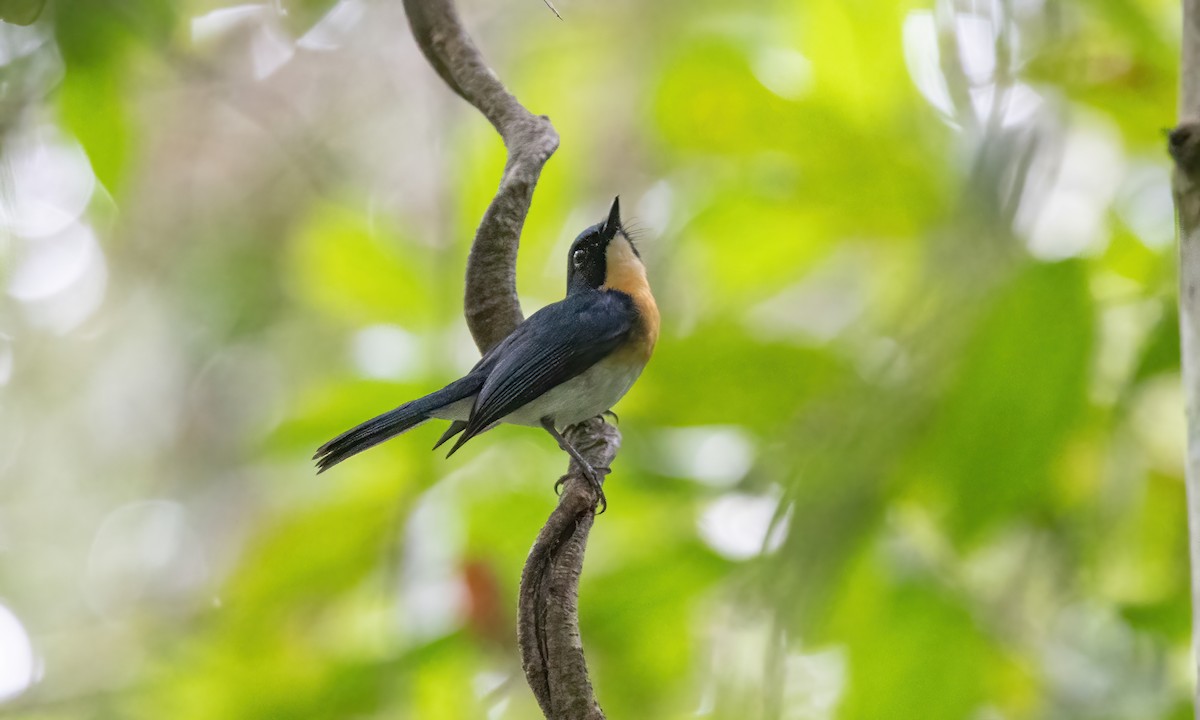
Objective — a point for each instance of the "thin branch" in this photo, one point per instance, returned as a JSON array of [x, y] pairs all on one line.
[[548, 619], [1184, 146], [490, 303], [548, 622]]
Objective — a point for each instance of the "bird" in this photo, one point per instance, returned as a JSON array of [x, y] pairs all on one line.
[[568, 362]]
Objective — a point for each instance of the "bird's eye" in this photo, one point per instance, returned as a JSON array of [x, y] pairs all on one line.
[[577, 258]]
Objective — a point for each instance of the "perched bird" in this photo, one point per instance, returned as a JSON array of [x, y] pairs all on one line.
[[568, 362]]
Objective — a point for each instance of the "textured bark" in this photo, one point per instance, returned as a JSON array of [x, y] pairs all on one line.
[[491, 306], [548, 622], [1184, 146]]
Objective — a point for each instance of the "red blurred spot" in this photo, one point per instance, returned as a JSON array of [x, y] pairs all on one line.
[[486, 615]]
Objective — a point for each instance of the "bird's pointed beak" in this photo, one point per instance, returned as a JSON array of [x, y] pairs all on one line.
[[613, 223]]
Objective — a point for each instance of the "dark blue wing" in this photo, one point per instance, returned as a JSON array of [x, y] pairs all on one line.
[[554, 345]]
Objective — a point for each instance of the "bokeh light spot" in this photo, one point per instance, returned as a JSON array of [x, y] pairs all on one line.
[[17, 662]]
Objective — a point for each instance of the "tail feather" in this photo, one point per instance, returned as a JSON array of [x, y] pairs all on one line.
[[367, 435], [455, 428], [392, 423]]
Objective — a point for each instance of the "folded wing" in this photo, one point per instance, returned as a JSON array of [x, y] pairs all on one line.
[[555, 344]]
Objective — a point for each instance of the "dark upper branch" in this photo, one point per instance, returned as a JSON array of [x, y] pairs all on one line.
[[491, 306]]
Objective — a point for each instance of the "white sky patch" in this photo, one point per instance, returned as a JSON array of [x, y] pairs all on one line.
[[1066, 226], [1067, 195], [976, 36], [922, 57], [784, 71], [270, 46], [18, 666], [67, 307], [1145, 204], [1019, 103], [50, 266], [270, 49], [387, 352], [738, 525], [46, 182], [717, 455], [18, 41]]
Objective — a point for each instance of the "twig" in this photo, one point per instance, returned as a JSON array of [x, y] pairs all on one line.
[[1184, 146], [548, 624]]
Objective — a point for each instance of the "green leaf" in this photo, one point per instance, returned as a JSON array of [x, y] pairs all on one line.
[[300, 15], [100, 33], [914, 651], [21, 12], [1142, 560], [92, 107], [1161, 351], [1014, 400], [344, 266], [769, 389]]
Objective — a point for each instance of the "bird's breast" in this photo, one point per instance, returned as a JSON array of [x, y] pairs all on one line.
[[625, 273], [584, 396], [640, 345]]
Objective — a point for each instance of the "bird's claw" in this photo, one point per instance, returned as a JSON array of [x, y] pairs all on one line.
[[594, 477], [613, 415]]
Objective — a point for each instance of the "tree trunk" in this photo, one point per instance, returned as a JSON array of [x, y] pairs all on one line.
[[1184, 146]]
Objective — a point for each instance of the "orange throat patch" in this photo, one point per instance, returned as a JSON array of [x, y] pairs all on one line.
[[625, 272]]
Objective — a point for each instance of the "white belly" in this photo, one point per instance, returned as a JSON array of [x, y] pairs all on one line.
[[584, 396]]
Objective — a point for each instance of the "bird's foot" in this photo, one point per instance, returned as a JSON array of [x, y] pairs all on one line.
[[595, 477], [589, 473], [613, 415]]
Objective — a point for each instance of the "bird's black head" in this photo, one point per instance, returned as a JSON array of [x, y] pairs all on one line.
[[587, 262]]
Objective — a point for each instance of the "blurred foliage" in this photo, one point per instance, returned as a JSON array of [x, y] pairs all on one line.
[[911, 445]]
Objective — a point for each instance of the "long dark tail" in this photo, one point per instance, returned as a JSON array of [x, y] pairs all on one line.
[[392, 423]]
